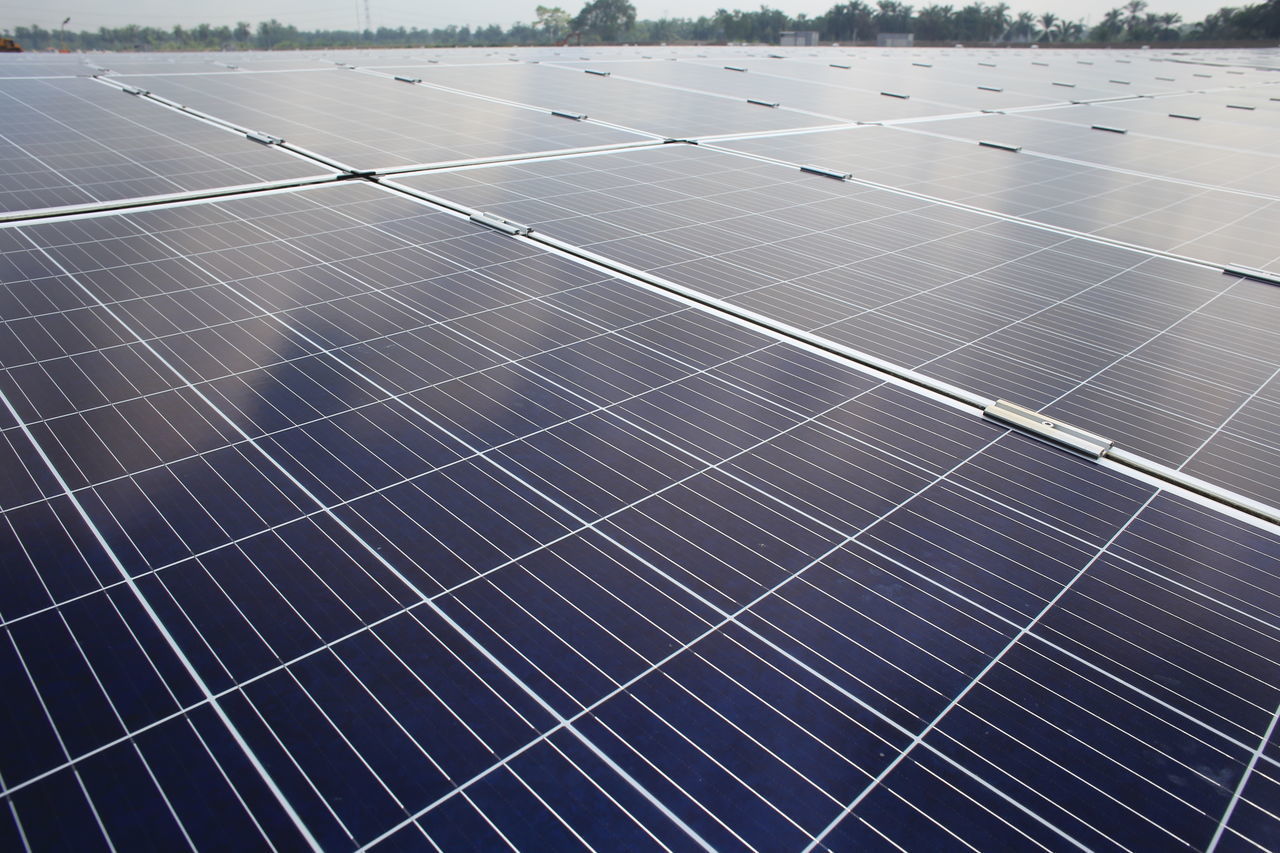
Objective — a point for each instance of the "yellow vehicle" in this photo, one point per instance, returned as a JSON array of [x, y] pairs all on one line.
[[9, 46]]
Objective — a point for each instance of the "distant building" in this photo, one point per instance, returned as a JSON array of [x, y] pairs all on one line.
[[895, 40], [798, 38]]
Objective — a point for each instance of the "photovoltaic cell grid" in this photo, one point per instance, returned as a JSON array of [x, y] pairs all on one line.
[[1195, 220], [365, 121], [334, 520], [1158, 355], [678, 99], [76, 141], [1072, 133]]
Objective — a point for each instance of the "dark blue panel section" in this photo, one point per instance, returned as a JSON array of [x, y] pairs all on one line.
[[139, 671], [517, 331], [453, 825], [707, 416], [401, 764], [246, 608], [969, 544], [1206, 554], [64, 385], [559, 795], [30, 742], [1047, 734], [795, 379], [50, 336], [54, 657], [74, 141], [928, 804], [578, 619], [723, 540], [743, 745], [579, 792], [196, 612], [112, 441], [56, 815], [132, 809], [407, 839], [409, 361], [498, 405], [1253, 823], [47, 555], [209, 785], [499, 715], [357, 452], [245, 777], [168, 514], [10, 832], [1085, 501], [373, 748], [524, 820], [608, 369], [901, 646], [227, 349], [848, 467], [445, 528], [1195, 653], [336, 795], [275, 398], [24, 476], [595, 465]]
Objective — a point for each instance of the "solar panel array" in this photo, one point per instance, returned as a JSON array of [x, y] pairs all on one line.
[[589, 447]]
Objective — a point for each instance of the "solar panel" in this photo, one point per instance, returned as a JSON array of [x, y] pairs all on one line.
[[1140, 209], [1092, 333], [336, 517], [621, 100], [1071, 133], [76, 141], [833, 103], [371, 122]]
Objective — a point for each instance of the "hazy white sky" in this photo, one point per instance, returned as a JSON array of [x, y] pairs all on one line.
[[341, 14]]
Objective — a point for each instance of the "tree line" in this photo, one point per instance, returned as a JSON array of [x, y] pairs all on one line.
[[604, 21]]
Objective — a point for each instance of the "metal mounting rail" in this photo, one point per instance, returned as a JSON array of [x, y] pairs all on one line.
[[47, 213]]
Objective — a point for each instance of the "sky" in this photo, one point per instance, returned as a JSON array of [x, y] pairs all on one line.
[[341, 14]]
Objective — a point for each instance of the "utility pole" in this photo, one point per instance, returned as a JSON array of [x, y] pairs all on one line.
[[368, 20], [62, 33]]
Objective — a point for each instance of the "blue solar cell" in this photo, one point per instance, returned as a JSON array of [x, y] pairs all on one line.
[[1020, 730], [56, 815]]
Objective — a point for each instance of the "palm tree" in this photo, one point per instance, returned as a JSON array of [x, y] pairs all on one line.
[[1112, 25], [845, 21], [893, 17], [933, 23], [1023, 27], [1169, 22], [1132, 21], [998, 16], [1048, 25]]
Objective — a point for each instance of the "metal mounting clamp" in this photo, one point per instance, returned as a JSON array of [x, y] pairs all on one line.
[[499, 224], [264, 138], [826, 173], [1255, 274], [1041, 426]]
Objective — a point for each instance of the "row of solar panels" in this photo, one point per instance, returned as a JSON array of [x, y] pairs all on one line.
[[940, 287], [336, 519]]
